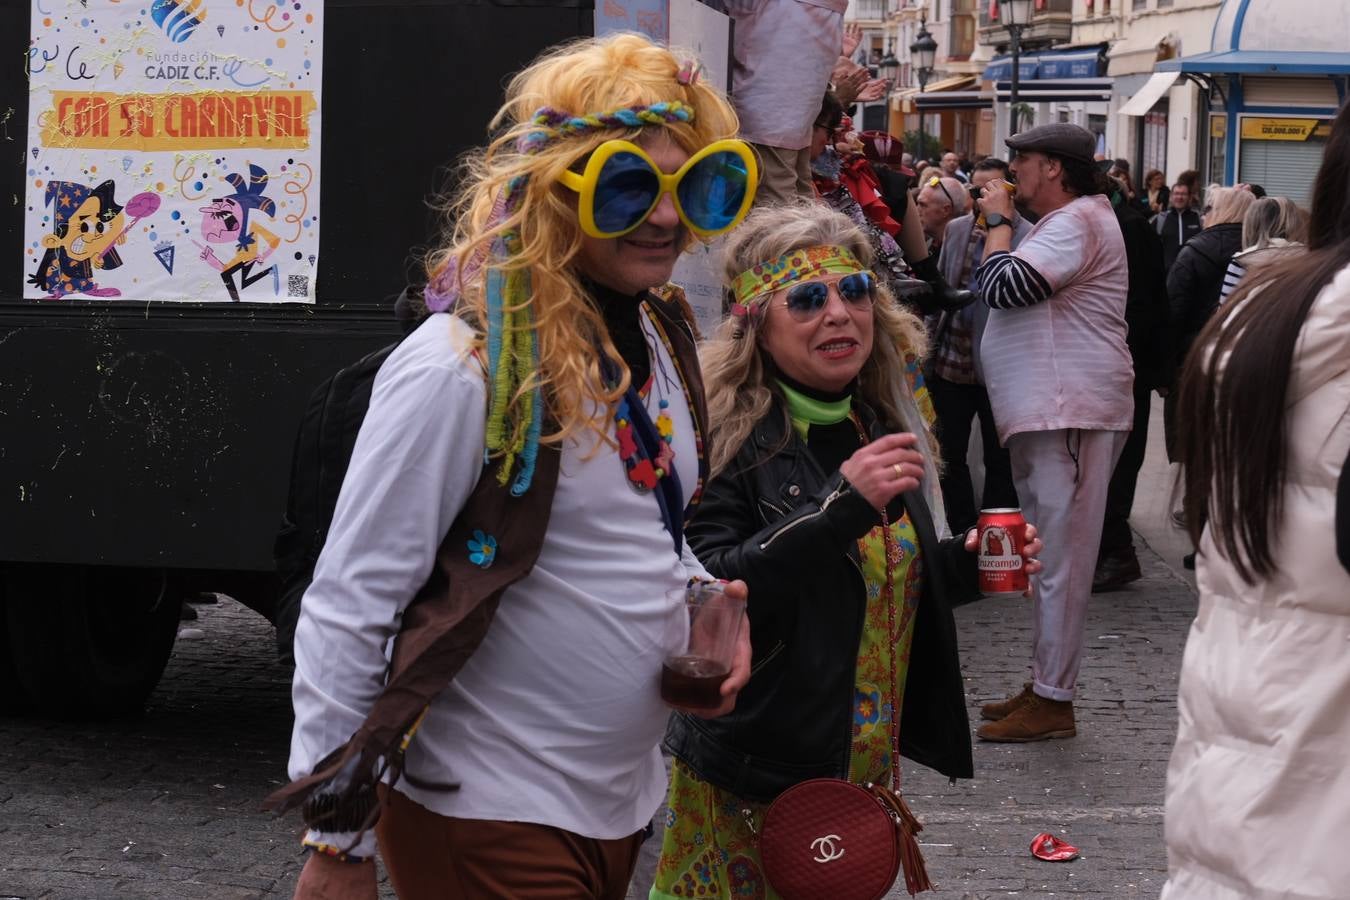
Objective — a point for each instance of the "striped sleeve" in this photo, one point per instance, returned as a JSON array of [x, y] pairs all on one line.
[[1007, 282], [1230, 279]]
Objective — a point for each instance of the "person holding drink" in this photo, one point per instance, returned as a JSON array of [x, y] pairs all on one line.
[[693, 674], [824, 500], [1054, 357], [512, 518]]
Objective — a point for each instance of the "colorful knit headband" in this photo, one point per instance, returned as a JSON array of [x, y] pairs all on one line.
[[554, 124], [797, 265], [512, 343]]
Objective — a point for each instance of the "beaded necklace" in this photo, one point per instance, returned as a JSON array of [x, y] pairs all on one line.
[[643, 474], [916, 875]]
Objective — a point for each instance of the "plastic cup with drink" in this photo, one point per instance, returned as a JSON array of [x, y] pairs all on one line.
[[1009, 188], [692, 676]]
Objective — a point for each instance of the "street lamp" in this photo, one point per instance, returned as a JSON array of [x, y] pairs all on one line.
[[889, 66], [923, 52], [1017, 15]]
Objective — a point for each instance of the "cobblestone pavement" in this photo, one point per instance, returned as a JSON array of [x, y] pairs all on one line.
[[165, 807]]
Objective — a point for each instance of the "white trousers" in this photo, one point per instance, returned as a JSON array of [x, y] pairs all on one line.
[[1061, 478]]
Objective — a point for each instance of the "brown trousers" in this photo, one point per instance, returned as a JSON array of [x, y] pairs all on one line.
[[433, 857], [784, 175]]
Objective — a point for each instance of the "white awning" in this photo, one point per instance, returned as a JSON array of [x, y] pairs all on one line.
[[1143, 99]]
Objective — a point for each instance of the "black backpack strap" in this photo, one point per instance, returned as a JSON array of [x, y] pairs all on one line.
[[319, 459]]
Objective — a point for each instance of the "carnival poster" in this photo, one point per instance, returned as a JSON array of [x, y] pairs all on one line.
[[173, 150]]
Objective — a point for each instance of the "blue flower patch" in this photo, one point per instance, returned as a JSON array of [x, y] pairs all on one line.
[[482, 549]]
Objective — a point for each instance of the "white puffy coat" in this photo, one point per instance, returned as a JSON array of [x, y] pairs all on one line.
[[1258, 789]]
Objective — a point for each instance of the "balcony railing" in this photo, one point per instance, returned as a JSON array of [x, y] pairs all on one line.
[[1045, 9], [1051, 23]]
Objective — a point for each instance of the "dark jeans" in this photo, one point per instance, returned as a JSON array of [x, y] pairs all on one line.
[[1116, 537], [1170, 426], [957, 405]]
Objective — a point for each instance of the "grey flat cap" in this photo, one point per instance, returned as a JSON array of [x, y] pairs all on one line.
[[1059, 138]]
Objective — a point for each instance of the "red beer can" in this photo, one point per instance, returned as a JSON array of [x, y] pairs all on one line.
[[1003, 535]]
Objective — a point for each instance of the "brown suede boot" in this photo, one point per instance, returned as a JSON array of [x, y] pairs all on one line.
[[1004, 708], [1039, 719]]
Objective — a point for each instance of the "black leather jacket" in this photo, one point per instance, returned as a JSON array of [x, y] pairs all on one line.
[[774, 519]]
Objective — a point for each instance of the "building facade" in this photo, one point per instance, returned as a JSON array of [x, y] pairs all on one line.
[[874, 18], [956, 120], [1156, 123], [1061, 67], [1241, 90], [1274, 74]]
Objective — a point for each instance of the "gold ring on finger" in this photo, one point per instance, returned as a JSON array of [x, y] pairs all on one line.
[[899, 469]]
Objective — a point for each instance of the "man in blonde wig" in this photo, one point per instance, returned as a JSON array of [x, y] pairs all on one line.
[[512, 519]]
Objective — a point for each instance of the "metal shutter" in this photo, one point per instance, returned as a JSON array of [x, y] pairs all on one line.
[[1284, 91], [1283, 168]]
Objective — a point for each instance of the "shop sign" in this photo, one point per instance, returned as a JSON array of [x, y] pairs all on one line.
[[1264, 128]]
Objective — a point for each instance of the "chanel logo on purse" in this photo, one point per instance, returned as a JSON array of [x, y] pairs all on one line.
[[826, 849]]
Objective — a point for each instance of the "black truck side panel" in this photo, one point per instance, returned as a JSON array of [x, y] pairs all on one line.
[[160, 434]]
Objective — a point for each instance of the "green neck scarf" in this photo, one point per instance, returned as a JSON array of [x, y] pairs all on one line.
[[806, 411]]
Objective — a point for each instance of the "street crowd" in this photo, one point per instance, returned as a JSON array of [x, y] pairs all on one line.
[[554, 456]]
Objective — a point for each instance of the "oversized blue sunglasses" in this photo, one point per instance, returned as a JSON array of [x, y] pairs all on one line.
[[621, 186]]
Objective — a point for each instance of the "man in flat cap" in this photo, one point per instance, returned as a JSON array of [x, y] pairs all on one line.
[[1060, 378]]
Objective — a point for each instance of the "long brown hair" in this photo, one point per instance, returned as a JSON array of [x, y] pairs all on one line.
[[1233, 447]]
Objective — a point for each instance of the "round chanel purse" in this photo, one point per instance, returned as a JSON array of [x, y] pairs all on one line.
[[828, 837]]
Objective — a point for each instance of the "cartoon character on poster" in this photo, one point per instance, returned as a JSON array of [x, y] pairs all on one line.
[[173, 151], [227, 220], [88, 224]]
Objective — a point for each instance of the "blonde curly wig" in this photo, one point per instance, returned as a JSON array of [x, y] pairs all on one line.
[[587, 76]]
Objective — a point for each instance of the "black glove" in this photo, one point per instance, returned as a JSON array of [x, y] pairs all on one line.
[[944, 297]]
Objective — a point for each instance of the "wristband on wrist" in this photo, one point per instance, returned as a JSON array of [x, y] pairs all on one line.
[[330, 850]]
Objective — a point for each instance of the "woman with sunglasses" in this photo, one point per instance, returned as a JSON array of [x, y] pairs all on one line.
[[512, 518], [824, 499]]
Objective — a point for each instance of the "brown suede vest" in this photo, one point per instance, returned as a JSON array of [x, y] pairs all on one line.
[[450, 615]]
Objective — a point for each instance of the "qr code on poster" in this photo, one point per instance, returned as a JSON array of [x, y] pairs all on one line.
[[297, 285]]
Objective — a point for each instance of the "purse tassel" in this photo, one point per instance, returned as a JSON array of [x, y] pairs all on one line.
[[911, 857]]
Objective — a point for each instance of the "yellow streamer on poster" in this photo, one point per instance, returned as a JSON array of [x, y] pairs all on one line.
[[208, 120]]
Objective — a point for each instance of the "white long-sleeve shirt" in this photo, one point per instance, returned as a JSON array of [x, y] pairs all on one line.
[[556, 718]]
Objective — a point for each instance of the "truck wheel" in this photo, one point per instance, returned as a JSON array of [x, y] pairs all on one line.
[[88, 642], [13, 698]]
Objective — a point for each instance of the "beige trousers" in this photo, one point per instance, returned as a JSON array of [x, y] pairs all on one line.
[[784, 175], [1062, 478]]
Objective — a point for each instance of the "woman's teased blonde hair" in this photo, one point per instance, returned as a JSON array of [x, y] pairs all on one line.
[[584, 77], [1226, 204], [737, 373]]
